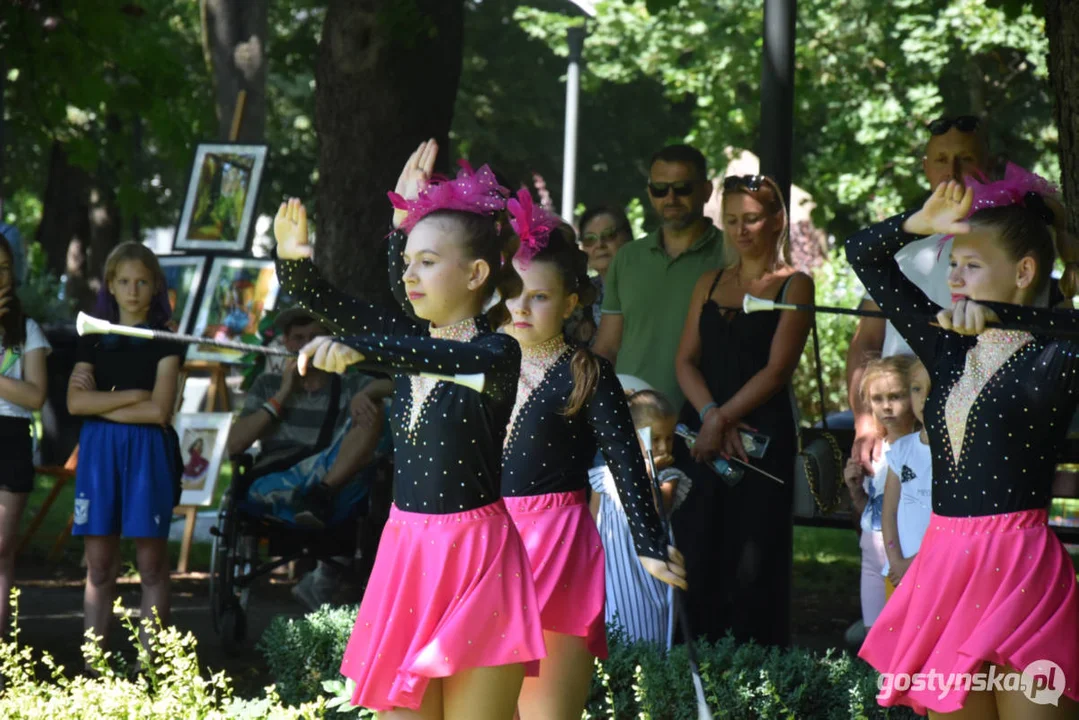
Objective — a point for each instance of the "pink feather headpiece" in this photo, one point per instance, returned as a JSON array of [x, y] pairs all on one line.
[[532, 224], [471, 191], [1012, 190]]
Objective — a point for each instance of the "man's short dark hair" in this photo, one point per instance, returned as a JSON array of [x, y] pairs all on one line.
[[683, 154], [299, 321]]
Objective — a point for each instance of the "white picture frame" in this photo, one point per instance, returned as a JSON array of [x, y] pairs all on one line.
[[222, 191], [203, 442]]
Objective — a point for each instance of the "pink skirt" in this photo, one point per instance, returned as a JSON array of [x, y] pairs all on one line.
[[447, 593], [566, 554], [998, 589]]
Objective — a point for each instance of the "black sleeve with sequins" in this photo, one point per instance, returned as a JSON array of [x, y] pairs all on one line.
[[608, 415], [493, 354], [341, 312], [395, 249], [871, 253]]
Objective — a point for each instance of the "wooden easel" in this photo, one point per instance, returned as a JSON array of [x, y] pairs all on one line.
[[217, 394]]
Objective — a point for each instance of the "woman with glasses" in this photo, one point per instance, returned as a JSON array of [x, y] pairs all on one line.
[[735, 370], [604, 230]]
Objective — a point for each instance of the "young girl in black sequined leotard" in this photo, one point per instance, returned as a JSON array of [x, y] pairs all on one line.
[[569, 403], [991, 589], [450, 616]]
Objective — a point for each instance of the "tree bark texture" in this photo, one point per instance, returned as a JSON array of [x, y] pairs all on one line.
[[1062, 25], [234, 41], [386, 79]]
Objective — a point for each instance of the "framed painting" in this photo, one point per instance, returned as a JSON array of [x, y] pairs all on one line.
[[183, 274], [203, 439], [238, 292], [220, 202]]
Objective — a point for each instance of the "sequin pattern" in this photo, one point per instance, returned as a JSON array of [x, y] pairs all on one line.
[[548, 452], [447, 457], [1006, 401]]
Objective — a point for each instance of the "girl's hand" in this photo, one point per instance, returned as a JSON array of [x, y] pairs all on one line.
[[327, 354], [853, 475], [944, 211], [966, 317], [897, 569], [710, 437], [415, 175], [672, 571], [290, 230], [83, 380]]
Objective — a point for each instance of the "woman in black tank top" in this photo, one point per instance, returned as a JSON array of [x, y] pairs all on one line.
[[735, 370]]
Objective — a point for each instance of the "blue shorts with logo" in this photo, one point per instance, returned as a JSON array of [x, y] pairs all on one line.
[[123, 482]]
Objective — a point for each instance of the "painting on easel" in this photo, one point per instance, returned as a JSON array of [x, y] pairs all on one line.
[[182, 276], [203, 439], [221, 195], [238, 292]]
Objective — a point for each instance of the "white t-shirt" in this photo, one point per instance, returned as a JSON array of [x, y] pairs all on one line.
[[874, 488], [925, 264], [35, 340], [912, 463]]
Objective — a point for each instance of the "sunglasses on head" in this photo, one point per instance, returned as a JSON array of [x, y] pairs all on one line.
[[682, 188], [590, 239], [749, 182], [962, 123]]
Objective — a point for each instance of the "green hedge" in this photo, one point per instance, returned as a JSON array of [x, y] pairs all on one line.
[[636, 680]]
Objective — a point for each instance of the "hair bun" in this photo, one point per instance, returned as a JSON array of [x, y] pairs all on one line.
[[1036, 203]]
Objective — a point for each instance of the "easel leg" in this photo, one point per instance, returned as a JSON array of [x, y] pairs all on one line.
[[185, 543]]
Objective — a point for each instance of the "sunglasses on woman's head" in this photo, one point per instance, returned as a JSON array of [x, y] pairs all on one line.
[[590, 239], [682, 188], [962, 123], [749, 182]]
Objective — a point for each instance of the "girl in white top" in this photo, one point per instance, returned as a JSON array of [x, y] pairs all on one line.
[[885, 389], [908, 488], [23, 348]]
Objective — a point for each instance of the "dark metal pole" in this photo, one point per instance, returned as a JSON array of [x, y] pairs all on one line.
[[777, 93]]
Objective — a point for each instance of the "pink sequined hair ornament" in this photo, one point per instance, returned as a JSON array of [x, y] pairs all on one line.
[[472, 191], [532, 224], [1012, 190]]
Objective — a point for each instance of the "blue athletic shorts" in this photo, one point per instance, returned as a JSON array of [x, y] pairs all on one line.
[[123, 482]]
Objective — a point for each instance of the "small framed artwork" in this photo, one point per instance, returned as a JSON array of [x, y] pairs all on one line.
[[183, 273], [238, 292], [203, 438], [220, 200]]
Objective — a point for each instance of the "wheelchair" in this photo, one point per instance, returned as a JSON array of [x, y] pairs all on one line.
[[249, 544]]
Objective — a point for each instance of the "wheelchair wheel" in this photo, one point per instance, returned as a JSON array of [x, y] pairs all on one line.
[[221, 547], [233, 624]]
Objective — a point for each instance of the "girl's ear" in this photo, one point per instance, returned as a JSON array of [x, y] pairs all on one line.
[[479, 271], [1025, 271], [571, 305]]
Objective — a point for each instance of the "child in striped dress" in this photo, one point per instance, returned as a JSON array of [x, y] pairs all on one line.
[[637, 603]]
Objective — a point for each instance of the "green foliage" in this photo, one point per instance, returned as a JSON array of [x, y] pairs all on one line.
[[836, 285], [168, 685], [305, 652], [40, 294], [869, 75], [636, 680]]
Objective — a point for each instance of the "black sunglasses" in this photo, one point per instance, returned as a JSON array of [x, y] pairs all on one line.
[[682, 188], [749, 182], [962, 123]]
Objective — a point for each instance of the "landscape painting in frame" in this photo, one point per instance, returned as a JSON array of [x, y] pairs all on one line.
[[220, 200], [183, 274], [238, 292], [203, 439]]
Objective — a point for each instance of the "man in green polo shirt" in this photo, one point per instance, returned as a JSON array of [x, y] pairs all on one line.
[[650, 281]]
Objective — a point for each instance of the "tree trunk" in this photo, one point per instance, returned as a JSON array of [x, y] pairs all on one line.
[[1062, 25], [386, 79], [234, 41]]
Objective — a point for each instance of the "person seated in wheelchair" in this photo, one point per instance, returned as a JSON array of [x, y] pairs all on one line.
[[317, 433]]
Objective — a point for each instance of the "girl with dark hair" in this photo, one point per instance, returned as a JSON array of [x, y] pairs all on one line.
[[569, 403], [450, 618], [23, 349], [991, 589], [125, 482]]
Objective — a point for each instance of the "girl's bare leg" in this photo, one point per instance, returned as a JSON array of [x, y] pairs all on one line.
[[561, 690], [102, 567], [486, 693], [152, 559], [11, 507], [430, 709]]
